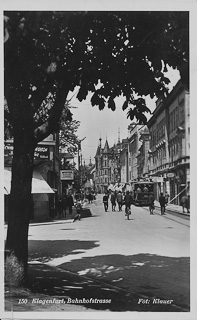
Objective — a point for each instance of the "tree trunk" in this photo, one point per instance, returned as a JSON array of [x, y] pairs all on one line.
[[20, 206]]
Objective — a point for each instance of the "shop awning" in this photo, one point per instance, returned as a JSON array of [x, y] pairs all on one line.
[[39, 185]]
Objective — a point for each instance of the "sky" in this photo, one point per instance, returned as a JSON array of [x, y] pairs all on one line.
[[96, 124]]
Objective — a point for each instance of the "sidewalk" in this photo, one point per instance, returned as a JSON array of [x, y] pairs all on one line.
[[172, 208]]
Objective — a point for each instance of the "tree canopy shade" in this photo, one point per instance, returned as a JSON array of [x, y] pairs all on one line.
[[126, 52], [49, 54]]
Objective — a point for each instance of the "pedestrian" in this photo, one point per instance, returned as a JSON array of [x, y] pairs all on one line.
[[105, 201], [151, 200], [113, 201], [185, 203], [139, 190], [90, 197], [70, 203], [145, 188], [119, 200], [59, 207], [128, 200], [167, 196], [162, 201], [64, 206], [78, 209]]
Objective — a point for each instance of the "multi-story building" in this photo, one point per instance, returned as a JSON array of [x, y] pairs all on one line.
[[142, 156], [107, 166], [124, 162], [133, 149], [169, 154]]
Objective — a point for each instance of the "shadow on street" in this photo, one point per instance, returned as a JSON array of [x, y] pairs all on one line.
[[106, 277], [45, 251]]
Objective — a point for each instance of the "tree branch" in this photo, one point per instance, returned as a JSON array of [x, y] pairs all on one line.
[[52, 124]]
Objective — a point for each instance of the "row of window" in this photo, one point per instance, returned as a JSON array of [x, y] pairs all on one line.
[[103, 180], [176, 117], [159, 157], [175, 150], [103, 172]]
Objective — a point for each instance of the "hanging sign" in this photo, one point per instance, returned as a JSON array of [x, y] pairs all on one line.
[[66, 175]]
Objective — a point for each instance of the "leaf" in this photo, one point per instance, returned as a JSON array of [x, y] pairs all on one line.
[[125, 105], [95, 99], [101, 103], [111, 104], [130, 114], [82, 94], [142, 119]]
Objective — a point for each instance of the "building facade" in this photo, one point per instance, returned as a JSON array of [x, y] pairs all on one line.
[[169, 153], [46, 177], [134, 134], [107, 166]]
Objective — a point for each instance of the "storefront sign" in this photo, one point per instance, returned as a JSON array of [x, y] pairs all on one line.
[[170, 174], [66, 175], [157, 179], [42, 153]]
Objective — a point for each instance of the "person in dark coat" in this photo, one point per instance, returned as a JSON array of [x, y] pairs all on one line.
[[64, 206], [128, 201], [70, 203], [185, 203], [59, 207], [119, 200], [113, 201], [162, 202], [151, 200], [105, 201]]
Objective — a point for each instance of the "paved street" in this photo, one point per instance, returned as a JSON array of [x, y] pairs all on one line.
[[145, 260]]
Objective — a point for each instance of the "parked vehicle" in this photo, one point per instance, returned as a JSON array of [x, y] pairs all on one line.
[[142, 191]]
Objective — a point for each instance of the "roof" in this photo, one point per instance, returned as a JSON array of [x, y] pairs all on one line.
[[106, 147], [98, 151]]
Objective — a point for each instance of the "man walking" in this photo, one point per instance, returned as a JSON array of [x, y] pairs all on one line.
[[113, 201], [185, 203], [119, 200], [70, 203], [64, 206], [151, 200], [128, 201], [162, 202], [105, 201]]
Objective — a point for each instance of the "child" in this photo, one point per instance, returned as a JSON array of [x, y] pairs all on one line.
[[79, 208]]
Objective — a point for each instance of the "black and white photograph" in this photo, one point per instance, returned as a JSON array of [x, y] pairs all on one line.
[[96, 148]]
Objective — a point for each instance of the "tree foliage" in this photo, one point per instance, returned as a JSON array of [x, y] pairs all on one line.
[[68, 139], [53, 52]]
